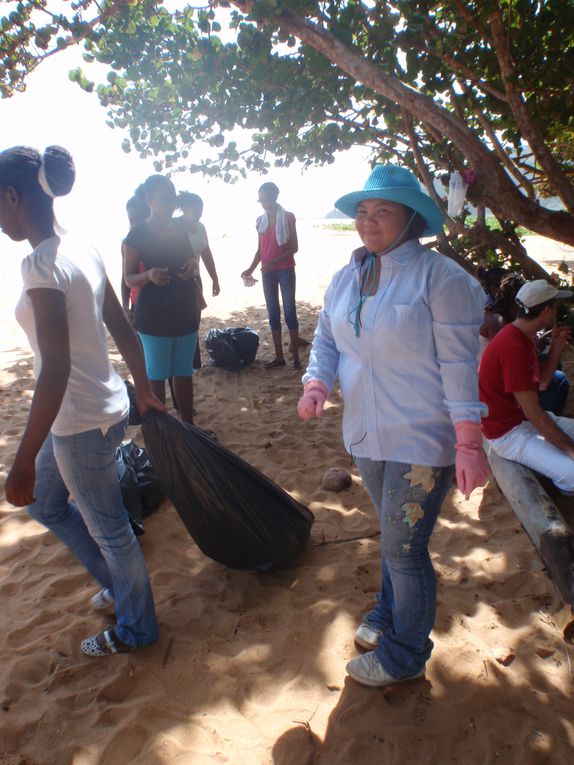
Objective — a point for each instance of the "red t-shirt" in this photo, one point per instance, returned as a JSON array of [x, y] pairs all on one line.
[[269, 249], [508, 365]]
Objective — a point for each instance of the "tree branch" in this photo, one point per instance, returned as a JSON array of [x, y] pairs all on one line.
[[504, 158], [460, 69], [493, 184], [511, 166], [70, 40], [528, 127]]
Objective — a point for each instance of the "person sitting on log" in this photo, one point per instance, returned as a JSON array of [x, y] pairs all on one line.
[[510, 375], [553, 394]]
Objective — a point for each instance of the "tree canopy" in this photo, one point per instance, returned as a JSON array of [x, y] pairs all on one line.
[[483, 87]]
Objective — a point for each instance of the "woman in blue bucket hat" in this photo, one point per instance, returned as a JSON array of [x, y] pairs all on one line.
[[399, 328]]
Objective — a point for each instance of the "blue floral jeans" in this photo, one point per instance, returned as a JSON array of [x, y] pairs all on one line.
[[408, 499]]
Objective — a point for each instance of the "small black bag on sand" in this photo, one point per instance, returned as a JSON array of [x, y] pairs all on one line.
[[141, 489], [232, 348], [234, 513]]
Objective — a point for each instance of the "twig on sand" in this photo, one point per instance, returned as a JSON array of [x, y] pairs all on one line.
[[310, 736], [547, 620], [324, 541], [167, 652]]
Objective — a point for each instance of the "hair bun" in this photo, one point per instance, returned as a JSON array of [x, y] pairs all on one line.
[[59, 170], [139, 194]]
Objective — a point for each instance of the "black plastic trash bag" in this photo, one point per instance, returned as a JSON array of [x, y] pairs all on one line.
[[141, 489], [134, 415], [235, 514], [232, 348]]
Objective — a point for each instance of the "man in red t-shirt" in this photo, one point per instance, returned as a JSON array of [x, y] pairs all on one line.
[[510, 375]]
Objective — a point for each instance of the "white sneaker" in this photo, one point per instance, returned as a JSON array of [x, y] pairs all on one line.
[[367, 636], [368, 670], [102, 600]]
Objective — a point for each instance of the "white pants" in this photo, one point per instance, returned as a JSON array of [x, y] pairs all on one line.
[[525, 445]]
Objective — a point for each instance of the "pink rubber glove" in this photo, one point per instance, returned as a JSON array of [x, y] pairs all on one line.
[[313, 400], [471, 464]]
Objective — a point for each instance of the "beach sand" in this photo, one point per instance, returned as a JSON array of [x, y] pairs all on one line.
[[250, 669]]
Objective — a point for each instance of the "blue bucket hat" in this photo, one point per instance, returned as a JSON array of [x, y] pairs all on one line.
[[397, 184]]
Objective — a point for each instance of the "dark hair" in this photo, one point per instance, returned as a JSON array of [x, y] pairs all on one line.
[[504, 302], [20, 166], [154, 183], [270, 188], [491, 278], [137, 210], [416, 226], [534, 311], [187, 199]]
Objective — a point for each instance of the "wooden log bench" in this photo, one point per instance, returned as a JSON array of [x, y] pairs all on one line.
[[543, 523]]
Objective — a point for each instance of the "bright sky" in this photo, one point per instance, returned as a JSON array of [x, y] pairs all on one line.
[[54, 110]]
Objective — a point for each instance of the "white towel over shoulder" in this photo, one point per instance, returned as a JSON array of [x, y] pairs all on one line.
[[281, 225]]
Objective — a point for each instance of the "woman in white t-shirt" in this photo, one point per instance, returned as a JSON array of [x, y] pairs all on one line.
[[191, 206], [78, 414]]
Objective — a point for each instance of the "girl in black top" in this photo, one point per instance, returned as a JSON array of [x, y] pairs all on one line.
[[167, 310]]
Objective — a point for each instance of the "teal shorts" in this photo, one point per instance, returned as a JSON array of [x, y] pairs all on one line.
[[169, 356]]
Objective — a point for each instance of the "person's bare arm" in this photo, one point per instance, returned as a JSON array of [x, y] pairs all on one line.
[[207, 258], [132, 276], [543, 423], [560, 336], [125, 290], [254, 262], [130, 348], [49, 306]]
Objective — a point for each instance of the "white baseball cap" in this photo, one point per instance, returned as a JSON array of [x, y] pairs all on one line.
[[539, 291]]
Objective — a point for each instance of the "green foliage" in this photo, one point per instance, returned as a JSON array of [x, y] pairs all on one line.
[[493, 224], [182, 79], [338, 226]]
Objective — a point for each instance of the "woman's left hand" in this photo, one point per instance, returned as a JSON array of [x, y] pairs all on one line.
[[20, 483], [471, 470], [471, 464], [215, 288], [187, 271]]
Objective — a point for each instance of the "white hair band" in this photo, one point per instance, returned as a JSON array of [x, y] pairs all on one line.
[[43, 181]]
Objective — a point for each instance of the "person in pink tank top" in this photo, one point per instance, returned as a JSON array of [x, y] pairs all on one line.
[[277, 244]]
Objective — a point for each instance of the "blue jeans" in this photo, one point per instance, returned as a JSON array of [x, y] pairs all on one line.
[[283, 278], [408, 499], [554, 398], [96, 527]]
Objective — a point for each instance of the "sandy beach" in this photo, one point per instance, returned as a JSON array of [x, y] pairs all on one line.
[[250, 668]]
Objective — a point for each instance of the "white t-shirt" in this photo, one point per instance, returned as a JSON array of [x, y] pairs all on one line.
[[96, 396], [198, 243]]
